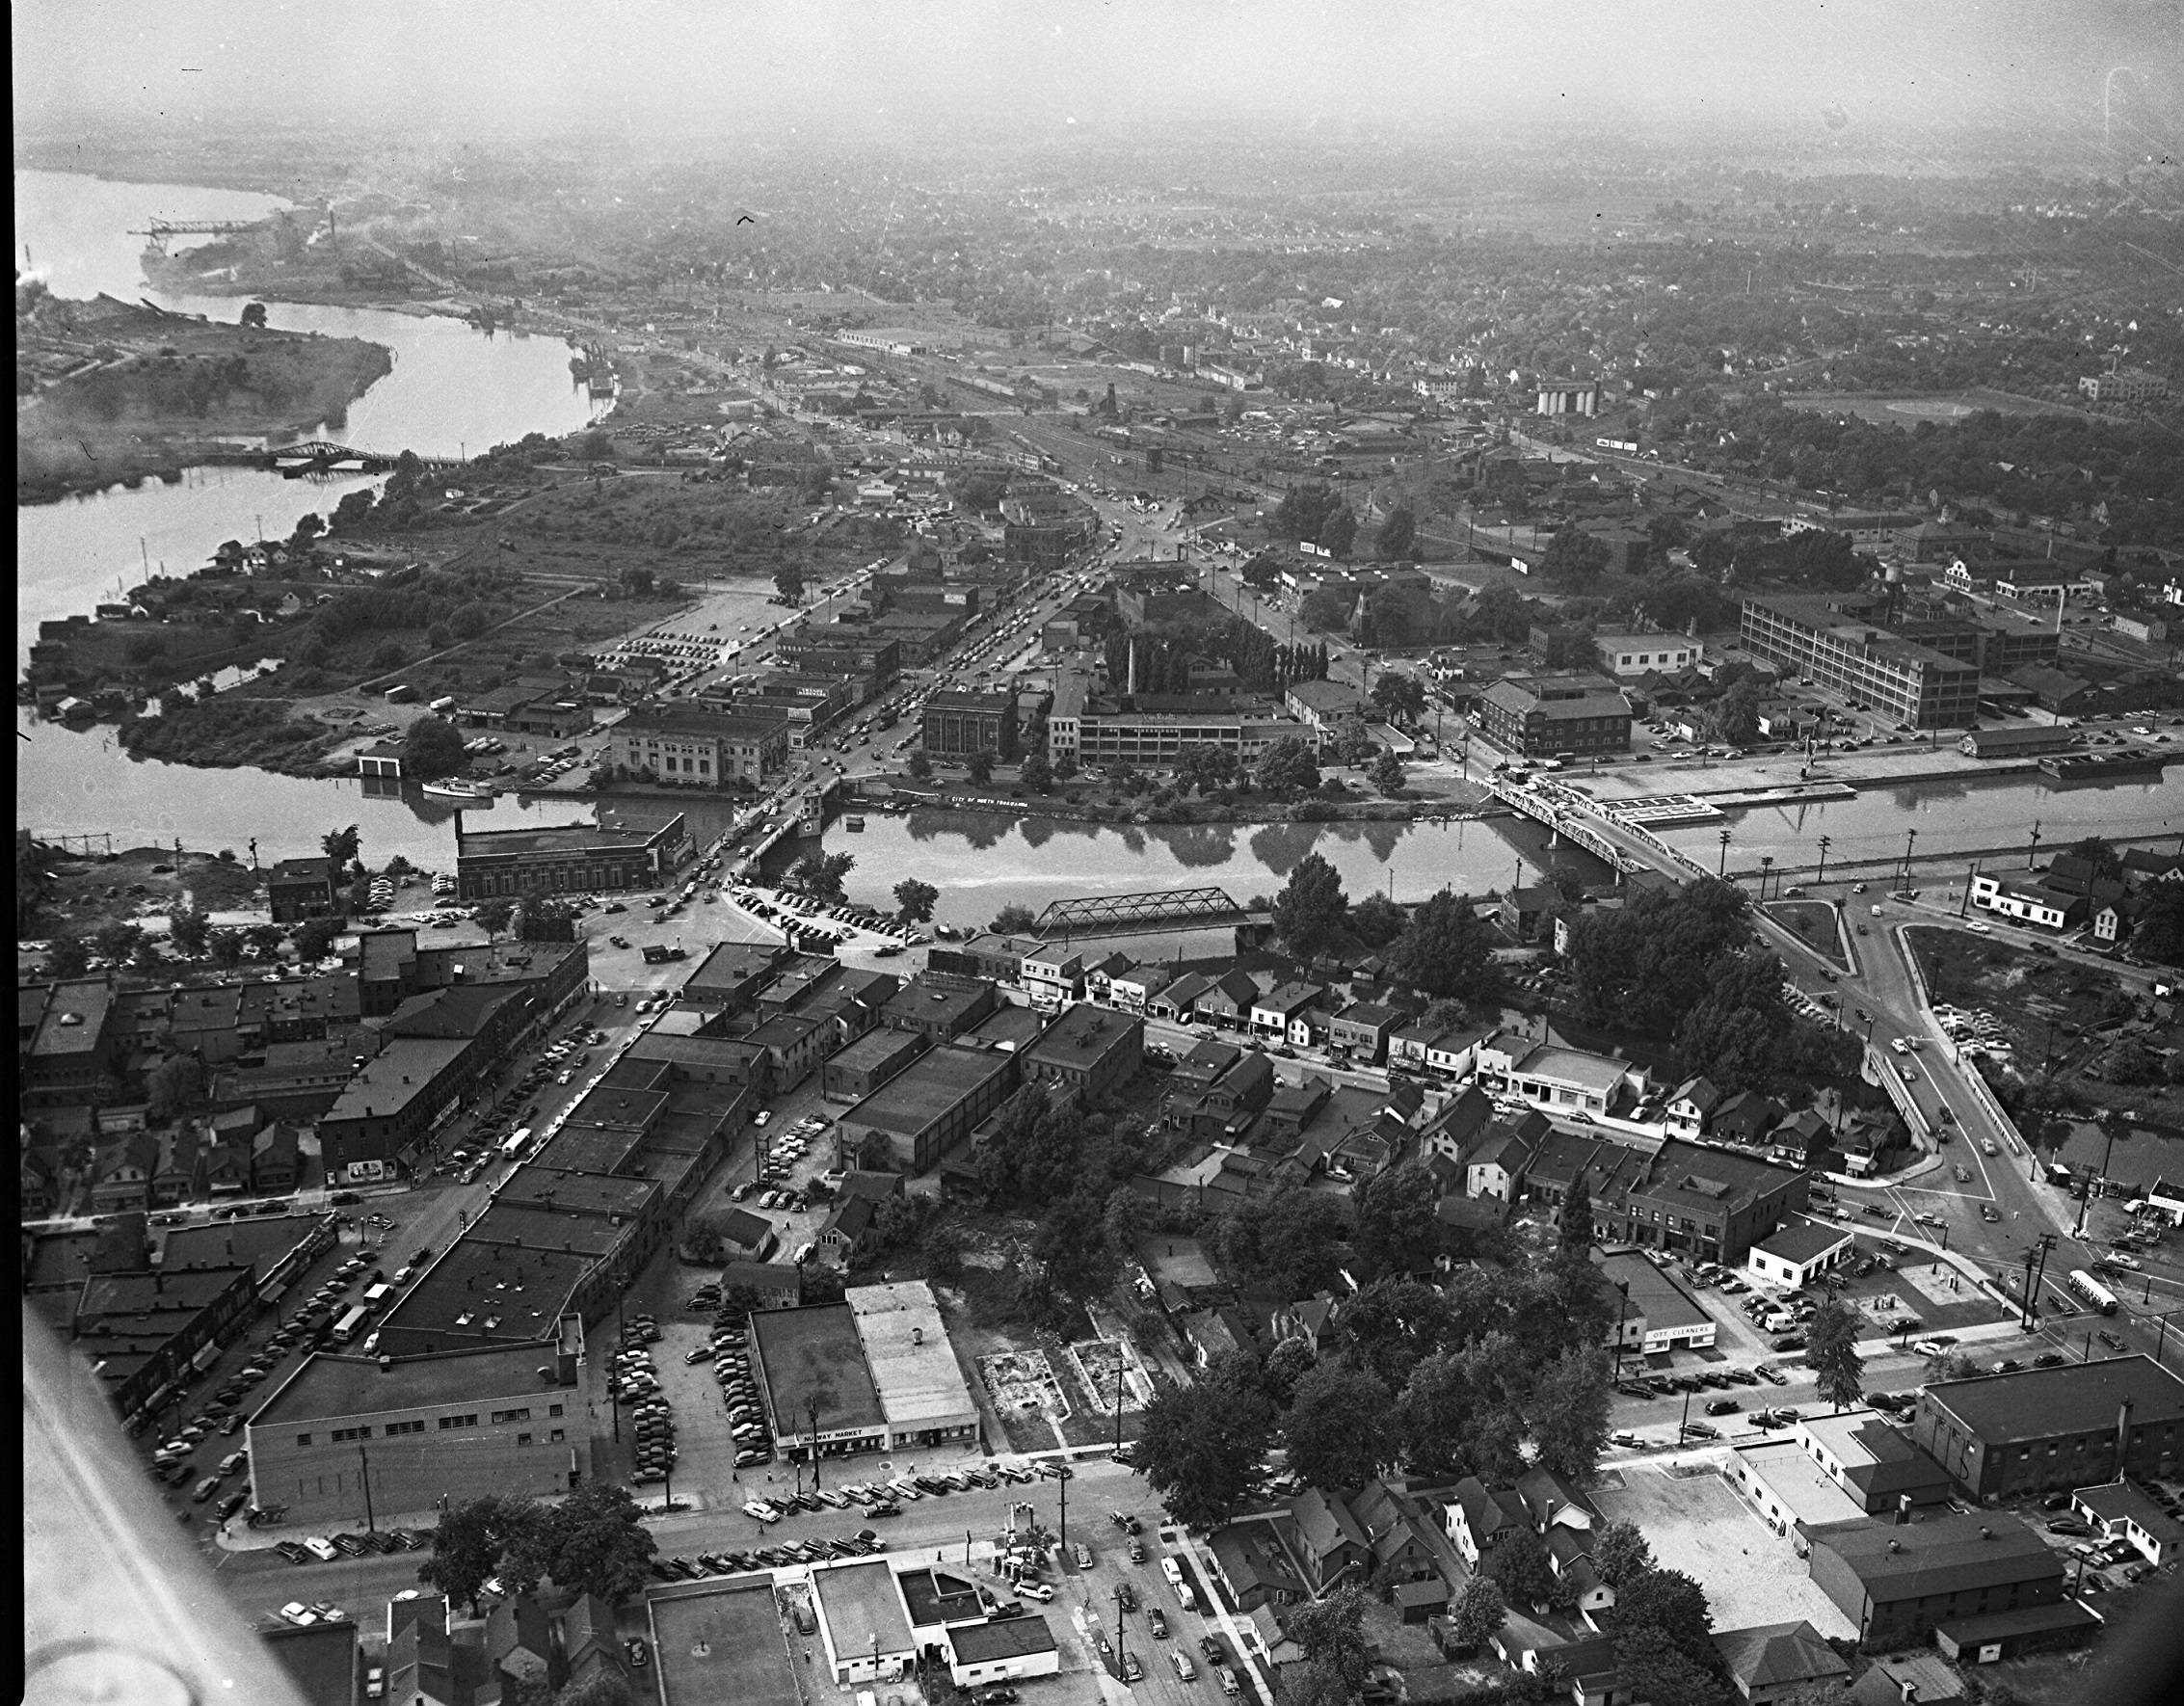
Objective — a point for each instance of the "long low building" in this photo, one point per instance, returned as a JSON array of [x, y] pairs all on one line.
[[509, 1419], [567, 859], [927, 1108], [2041, 1430], [875, 1373]]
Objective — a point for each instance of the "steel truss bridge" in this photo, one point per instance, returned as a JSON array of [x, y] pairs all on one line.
[[319, 455], [1112, 915]]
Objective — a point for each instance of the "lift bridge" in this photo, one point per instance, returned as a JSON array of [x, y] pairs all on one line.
[[1120, 914]]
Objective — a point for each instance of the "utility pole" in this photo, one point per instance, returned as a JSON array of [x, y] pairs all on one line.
[[1765, 865], [811, 1409], [1722, 869], [1119, 1366], [1062, 1480], [371, 1521], [1910, 840], [1964, 906], [1824, 844]]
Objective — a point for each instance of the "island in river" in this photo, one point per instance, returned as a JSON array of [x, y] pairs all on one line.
[[110, 393]]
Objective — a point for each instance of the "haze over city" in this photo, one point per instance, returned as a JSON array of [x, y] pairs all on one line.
[[1289, 855]]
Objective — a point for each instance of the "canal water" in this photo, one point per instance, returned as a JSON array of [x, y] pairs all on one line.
[[1972, 813]]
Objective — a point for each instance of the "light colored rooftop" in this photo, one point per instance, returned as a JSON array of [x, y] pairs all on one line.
[[1799, 1483], [862, 1610], [1572, 1066], [907, 1348]]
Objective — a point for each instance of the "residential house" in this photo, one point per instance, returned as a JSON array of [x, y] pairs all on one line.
[[1480, 1518], [1273, 1013], [1253, 1566], [1690, 1106], [1781, 1665], [1327, 1540]]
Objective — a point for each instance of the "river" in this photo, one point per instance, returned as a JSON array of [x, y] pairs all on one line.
[[454, 388], [983, 862]]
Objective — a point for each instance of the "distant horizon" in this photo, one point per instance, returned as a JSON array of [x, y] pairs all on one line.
[[1847, 71]]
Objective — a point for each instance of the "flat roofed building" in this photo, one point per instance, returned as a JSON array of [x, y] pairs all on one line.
[[1816, 638], [1654, 1314], [1896, 1581], [1548, 715], [699, 747], [1871, 1461], [1088, 1050], [567, 859], [814, 1356], [930, 1107], [958, 723], [991, 1652], [857, 1071], [922, 1392], [2048, 1429], [1788, 1490], [718, 1640], [863, 1621], [1645, 654], [463, 1424]]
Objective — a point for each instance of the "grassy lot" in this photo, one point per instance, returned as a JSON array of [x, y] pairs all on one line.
[[2051, 1009], [1814, 924]]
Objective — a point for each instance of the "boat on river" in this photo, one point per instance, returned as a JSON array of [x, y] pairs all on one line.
[[456, 790], [2102, 766]]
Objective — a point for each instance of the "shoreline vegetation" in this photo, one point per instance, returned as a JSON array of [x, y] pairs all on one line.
[[119, 393]]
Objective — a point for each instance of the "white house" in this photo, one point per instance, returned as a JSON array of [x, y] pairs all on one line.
[[2026, 902], [1690, 1106]]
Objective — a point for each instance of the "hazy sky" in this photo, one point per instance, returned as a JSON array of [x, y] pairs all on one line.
[[490, 66]]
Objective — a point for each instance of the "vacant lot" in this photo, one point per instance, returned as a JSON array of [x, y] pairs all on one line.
[[2049, 1007], [1697, 1525]]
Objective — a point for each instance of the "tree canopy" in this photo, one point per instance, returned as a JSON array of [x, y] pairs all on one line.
[[1311, 907]]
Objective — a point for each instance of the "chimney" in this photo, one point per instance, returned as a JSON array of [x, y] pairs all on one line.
[[1902, 1509], [387, 1365], [1895, 1545], [916, 1335]]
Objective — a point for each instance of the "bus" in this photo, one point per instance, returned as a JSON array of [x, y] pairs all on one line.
[[345, 1329], [2092, 1291], [515, 1140]]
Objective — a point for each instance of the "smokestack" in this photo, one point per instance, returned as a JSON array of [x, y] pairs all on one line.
[[1131, 689], [2122, 1437]]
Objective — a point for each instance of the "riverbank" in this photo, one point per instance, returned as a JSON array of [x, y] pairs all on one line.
[[129, 393]]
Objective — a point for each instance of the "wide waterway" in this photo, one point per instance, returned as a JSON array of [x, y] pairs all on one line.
[[454, 388]]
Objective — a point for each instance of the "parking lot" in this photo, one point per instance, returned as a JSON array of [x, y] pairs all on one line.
[[1695, 1523]]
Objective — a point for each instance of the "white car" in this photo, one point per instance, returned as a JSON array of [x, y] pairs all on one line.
[[760, 1510], [2122, 1258], [296, 1612], [1037, 1590]]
